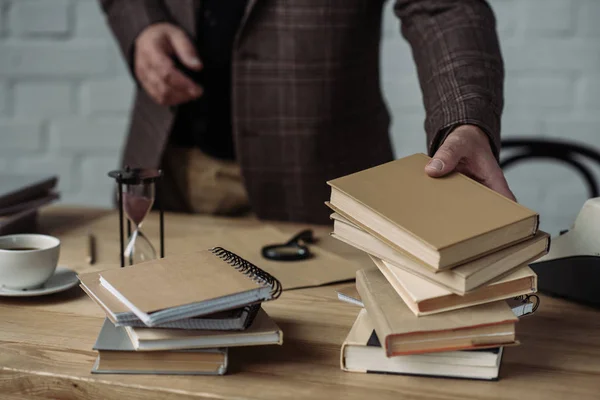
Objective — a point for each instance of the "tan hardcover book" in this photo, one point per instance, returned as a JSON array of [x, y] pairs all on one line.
[[190, 285], [426, 298], [443, 222], [263, 331], [362, 352], [459, 280], [116, 355], [402, 333]]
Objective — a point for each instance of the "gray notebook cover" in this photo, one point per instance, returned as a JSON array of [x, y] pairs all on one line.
[[237, 319], [113, 338]]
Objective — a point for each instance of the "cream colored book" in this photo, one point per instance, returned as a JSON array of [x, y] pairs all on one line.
[[459, 280], [426, 298], [402, 333], [521, 306], [263, 331], [444, 222], [362, 352], [190, 285]]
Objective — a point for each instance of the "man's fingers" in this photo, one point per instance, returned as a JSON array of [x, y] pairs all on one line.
[[154, 64], [159, 61], [496, 181], [171, 76], [154, 86], [178, 80], [184, 49], [169, 84], [467, 150], [142, 71], [162, 93], [486, 171], [501, 188], [446, 158]]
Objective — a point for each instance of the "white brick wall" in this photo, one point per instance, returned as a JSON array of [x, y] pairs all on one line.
[[587, 19], [4, 97], [65, 94], [20, 136], [547, 18], [43, 99], [39, 18]]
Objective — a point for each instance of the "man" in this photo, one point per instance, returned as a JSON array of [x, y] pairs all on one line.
[[260, 102]]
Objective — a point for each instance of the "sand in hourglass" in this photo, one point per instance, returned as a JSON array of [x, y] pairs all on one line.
[[136, 207]]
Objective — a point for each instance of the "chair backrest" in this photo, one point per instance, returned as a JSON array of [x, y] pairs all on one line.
[[572, 268], [559, 150]]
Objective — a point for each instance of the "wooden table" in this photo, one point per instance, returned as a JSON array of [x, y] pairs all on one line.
[[45, 344]]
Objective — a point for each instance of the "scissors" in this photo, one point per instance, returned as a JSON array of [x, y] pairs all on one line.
[[294, 249]]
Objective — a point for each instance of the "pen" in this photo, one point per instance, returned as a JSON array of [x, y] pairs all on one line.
[[91, 258]]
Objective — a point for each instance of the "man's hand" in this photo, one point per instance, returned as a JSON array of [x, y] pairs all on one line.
[[467, 150], [154, 67]]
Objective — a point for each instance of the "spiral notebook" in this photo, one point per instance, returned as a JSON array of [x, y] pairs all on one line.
[[120, 315], [189, 285]]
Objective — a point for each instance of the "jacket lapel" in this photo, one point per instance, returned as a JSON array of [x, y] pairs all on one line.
[[250, 6], [189, 19], [186, 13], [249, 9]]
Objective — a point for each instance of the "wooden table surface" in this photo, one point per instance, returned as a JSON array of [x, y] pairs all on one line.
[[45, 342]]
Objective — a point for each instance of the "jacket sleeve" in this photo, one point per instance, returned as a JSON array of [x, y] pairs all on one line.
[[128, 18], [461, 72]]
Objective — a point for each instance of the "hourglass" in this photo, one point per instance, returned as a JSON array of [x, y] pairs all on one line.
[[136, 196]]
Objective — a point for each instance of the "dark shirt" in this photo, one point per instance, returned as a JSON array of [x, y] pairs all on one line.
[[206, 122]]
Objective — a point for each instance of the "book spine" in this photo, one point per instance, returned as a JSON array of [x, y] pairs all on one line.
[[376, 314]]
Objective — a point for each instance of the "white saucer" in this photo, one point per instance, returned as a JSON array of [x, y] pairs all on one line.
[[63, 279]]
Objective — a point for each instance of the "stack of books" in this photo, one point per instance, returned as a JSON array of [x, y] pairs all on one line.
[[179, 315], [448, 253], [21, 196]]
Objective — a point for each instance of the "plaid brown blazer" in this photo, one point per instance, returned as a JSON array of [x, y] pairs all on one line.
[[307, 103]]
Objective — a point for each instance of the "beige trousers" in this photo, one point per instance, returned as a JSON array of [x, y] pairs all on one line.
[[203, 184]]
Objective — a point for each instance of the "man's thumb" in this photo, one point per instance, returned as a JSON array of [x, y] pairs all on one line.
[[443, 162], [184, 49]]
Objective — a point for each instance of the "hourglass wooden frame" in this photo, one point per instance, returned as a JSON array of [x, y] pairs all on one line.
[[132, 176]]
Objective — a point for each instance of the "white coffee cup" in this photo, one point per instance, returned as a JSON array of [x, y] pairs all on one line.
[[27, 261]]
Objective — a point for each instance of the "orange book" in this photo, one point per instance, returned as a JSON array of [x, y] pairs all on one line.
[[402, 333]]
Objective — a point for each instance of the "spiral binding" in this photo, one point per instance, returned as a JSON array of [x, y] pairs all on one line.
[[530, 298], [250, 270], [252, 313]]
